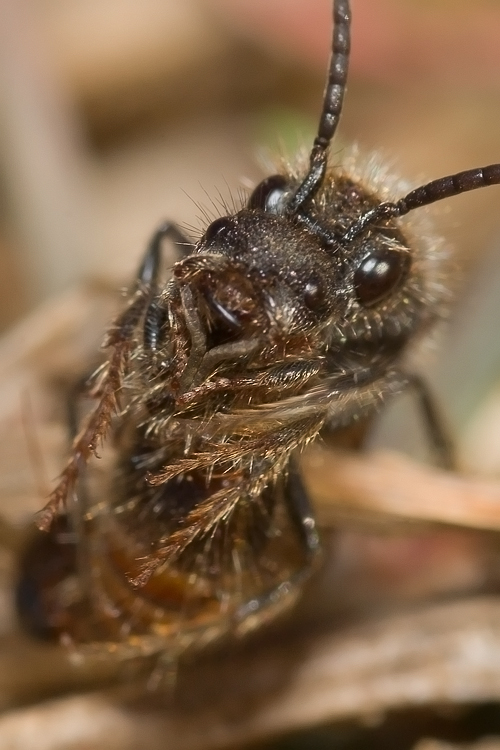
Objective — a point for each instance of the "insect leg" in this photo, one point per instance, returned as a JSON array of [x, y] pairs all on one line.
[[233, 350], [301, 512], [119, 342], [434, 424], [303, 520], [149, 271], [292, 375], [78, 505], [283, 378], [150, 266]]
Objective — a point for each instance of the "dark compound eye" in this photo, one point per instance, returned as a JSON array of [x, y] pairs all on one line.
[[379, 273], [218, 227], [268, 194]]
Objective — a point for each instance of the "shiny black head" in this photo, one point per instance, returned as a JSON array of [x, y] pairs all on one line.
[[319, 251]]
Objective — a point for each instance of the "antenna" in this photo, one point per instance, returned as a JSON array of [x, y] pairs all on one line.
[[332, 106]]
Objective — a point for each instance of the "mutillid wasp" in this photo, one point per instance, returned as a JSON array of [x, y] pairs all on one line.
[[287, 319]]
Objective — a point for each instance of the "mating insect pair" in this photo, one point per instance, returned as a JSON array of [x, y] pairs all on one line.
[[288, 319]]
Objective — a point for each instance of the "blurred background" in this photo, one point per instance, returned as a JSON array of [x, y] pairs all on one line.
[[117, 114]]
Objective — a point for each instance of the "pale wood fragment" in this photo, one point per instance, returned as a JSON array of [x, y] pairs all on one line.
[[443, 654], [383, 483]]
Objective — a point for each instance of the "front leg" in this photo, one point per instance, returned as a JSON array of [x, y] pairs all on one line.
[[148, 275], [120, 342], [149, 268]]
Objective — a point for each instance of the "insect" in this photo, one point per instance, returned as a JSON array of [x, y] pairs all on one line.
[[286, 320]]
